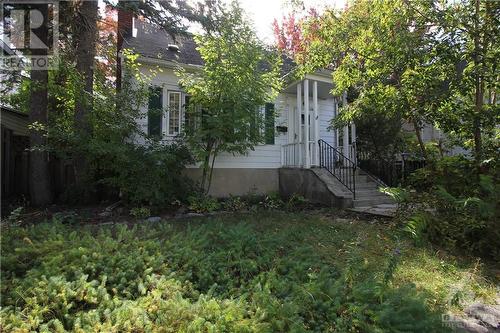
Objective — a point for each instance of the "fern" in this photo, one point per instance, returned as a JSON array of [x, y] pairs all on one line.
[[415, 228], [399, 194]]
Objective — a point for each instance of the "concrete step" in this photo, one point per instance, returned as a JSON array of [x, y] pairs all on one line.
[[368, 192], [366, 186], [373, 201], [363, 178], [386, 210]]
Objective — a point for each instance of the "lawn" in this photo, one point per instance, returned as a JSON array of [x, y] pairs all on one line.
[[320, 271]]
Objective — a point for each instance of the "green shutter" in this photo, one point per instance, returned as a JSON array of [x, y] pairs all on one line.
[[155, 111], [269, 124], [188, 115]]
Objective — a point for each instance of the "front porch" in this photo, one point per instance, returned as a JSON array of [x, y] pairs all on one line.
[[318, 161], [304, 148]]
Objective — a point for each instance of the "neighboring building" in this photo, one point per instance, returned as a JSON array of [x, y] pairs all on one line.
[[15, 155], [430, 133]]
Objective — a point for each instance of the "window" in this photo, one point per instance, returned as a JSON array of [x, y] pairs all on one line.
[[174, 113], [269, 124], [155, 111]]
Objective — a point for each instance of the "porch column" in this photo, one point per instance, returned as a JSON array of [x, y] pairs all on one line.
[[336, 131], [345, 134], [353, 141], [316, 123], [299, 123], [306, 124], [291, 123]]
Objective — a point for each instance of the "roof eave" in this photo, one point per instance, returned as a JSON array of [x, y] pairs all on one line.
[[165, 63]]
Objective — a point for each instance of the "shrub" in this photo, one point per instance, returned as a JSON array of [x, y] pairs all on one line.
[[234, 204], [140, 212], [203, 204], [456, 207], [296, 202], [272, 201], [455, 174], [150, 175], [469, 223]]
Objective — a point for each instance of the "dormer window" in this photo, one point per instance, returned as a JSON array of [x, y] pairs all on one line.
[[173, 47]]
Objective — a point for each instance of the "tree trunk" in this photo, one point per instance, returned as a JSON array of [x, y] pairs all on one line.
[[206, 164], [211, 170], [479, 95], [206, 167], [417, 129], [40, 191], [85, 38]]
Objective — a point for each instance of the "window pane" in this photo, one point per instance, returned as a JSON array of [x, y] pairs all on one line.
[[174, 103]]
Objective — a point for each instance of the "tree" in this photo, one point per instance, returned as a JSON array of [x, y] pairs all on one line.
[[239, 76], [85, 35], [170, 15], [472, 33], [289, 35], [380, 48], [436, 59], [40, 190]]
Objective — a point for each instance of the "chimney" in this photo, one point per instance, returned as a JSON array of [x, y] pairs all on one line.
[[125, 25]]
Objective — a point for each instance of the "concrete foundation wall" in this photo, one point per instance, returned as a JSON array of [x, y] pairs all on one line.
[[227, 182], [311, 186], [310, 183]]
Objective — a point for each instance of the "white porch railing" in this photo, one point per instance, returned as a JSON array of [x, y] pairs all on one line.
[[290, 154], [351, 152], [293, 154]]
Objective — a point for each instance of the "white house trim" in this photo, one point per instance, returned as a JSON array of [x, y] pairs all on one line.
[[169, 112], [307, 124], [326, 78], [299, 123], [316, 124], [164, 63]]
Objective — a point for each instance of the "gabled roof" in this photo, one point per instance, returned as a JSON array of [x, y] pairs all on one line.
[[152, 42]]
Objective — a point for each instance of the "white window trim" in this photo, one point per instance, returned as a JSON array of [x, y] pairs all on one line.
[[168, 112]]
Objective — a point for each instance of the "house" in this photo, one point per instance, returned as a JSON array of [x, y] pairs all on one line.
[[304, 156]]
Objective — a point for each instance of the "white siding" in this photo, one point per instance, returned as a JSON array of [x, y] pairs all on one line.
[[263, 156], [269, 156]]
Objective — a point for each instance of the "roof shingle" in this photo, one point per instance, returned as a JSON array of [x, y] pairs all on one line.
[[153, 42]]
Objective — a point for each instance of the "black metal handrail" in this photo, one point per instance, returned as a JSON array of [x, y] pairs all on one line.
[[392, 172], [340, 166]]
